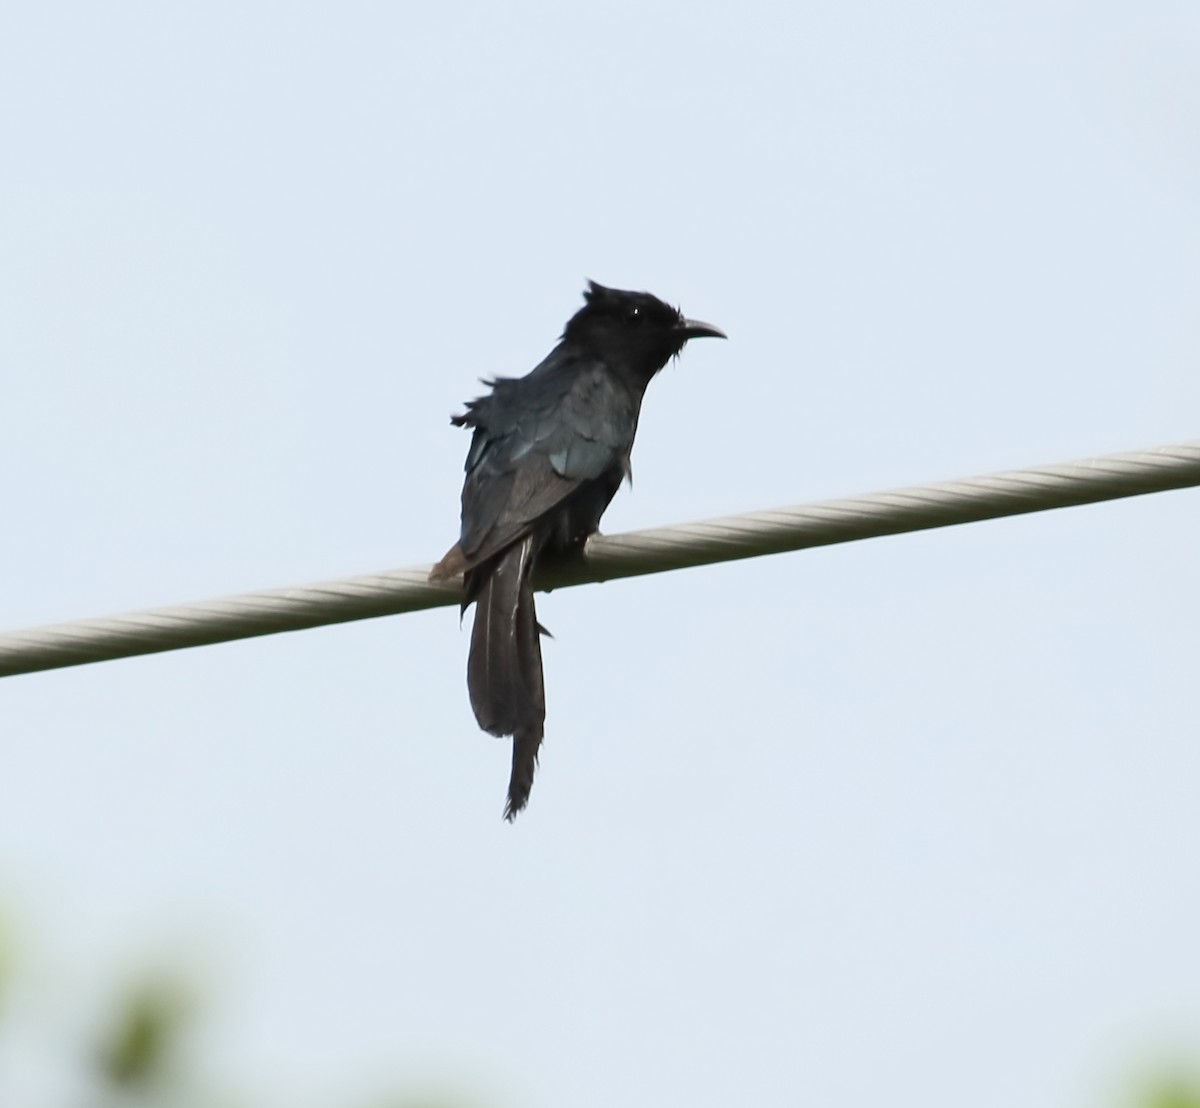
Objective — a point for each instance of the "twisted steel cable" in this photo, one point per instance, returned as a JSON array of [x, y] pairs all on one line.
[[605, 558]]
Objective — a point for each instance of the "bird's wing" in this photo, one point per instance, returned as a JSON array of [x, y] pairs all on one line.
[[537, 439]]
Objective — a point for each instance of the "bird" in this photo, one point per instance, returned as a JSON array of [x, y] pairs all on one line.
[[548, 453]]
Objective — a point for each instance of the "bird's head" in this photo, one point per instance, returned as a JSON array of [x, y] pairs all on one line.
[[634, 328]]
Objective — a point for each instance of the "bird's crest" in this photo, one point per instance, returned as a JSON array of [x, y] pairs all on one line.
[[621, 308]]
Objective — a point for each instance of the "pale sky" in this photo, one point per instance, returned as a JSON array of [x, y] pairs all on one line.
[[913, 820]]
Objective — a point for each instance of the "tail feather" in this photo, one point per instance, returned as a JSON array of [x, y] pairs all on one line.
[[504, 671]]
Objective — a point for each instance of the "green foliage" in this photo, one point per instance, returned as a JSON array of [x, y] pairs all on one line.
[[1173, 1092], [139, 1047], [6, 958]]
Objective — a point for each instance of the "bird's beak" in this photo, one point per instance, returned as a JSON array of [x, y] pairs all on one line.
[[694, 329]]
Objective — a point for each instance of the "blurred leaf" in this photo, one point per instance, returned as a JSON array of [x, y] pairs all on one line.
[[1174, 1092], [6, 955], [140, 1047]]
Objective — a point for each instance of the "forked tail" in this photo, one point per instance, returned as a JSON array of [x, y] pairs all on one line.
[[504, 670]]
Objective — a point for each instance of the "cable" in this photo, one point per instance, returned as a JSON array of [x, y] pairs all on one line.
[[609, 557]]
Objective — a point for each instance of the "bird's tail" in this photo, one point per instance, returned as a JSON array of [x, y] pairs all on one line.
[[504, 671]]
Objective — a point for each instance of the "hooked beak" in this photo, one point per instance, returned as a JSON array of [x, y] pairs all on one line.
[[694, 329]]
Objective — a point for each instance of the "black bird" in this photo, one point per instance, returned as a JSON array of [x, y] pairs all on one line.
[[549, 452]]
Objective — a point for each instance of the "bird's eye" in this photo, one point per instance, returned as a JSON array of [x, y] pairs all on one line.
[[635, 314]]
